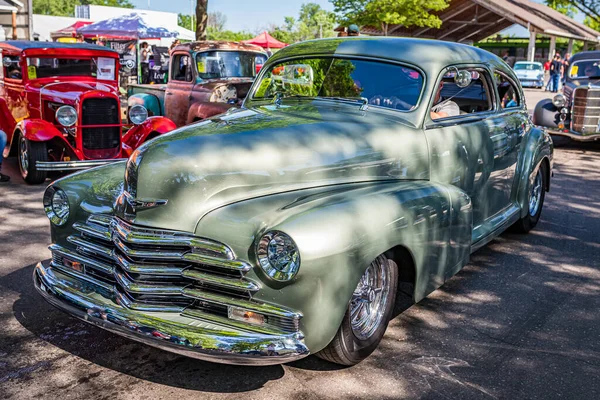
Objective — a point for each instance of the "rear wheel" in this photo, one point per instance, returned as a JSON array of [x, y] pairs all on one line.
[[535, 201], [29, 154], [367, 316]]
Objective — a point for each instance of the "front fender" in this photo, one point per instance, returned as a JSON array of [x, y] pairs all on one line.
[[536, 146], [339, 231], [150, 101], [38, 130], [139, 134], [199, 111], [545, 114]]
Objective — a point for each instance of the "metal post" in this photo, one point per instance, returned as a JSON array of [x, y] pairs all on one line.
[[552, 48], [531, 46]]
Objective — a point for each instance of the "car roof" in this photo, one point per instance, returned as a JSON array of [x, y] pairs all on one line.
[[586, 55], [528, 62], [429, 55], [218, 45], [28, 44]]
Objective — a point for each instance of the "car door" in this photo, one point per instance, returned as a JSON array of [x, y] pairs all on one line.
[[514, 120], [468, 150], [179, 88]]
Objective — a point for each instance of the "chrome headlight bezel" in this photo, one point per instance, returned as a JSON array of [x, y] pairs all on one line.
[[278, 256], [56, 205], [138, 114], [559, 100], [66, 116]]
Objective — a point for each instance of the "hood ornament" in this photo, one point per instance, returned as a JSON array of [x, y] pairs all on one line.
[[129, 206]]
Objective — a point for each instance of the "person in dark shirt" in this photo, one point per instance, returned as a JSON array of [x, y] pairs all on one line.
[[556, 68]]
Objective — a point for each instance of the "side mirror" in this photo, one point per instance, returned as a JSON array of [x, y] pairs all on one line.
[[463, 78]]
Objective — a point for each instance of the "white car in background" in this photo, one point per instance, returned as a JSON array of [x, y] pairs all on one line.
[[531, 74]]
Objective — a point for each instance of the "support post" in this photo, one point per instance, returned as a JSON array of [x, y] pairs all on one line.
[[585, 46], [552, 48], [531, 46], [14, 25], [570, 47]]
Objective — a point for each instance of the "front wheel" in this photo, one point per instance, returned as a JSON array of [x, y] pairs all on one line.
[[535, 201], [29, 154], [367, 316]]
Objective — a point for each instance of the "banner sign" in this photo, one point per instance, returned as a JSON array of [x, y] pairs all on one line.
[[128, 59]]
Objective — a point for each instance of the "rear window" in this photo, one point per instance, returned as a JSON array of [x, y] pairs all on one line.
[[49, 67], [528, 67]]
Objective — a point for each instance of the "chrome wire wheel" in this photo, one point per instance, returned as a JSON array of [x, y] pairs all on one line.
[[369, 300], [23, 155], [535, 194]]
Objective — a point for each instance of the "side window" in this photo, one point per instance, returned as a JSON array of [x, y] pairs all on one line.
[[182, 68], [508, 93], [11, 67], [451, 100]]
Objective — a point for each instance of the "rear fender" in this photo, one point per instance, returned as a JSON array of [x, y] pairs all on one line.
[[536, 147], [151, 102], [199, 111], [546, 114], [139, 134], [339, 231]]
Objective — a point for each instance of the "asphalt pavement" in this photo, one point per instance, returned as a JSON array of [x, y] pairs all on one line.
[[520, 321]]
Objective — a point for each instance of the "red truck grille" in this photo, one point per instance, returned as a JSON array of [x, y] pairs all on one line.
[[100, 111]]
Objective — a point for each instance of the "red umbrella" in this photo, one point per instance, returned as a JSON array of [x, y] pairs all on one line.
[[69, 31], [266, 41]]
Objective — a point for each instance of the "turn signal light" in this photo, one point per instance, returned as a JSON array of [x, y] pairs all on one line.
[[77, 266], [239, 314], [561, 125]]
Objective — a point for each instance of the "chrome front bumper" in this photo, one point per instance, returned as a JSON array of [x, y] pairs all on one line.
[[574, 135], [75, 165], [92, 301]]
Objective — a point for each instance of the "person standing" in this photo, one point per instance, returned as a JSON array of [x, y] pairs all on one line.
[[145, 62], [555, 73], [566, 64], [3, 139]]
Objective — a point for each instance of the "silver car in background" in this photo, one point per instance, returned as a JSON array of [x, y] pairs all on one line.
[[531, 74]]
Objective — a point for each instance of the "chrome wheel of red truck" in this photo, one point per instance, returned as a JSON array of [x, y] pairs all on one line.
[[29, 154]]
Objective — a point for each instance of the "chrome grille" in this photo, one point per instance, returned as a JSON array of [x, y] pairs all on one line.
[[169, 271], [586, 110]]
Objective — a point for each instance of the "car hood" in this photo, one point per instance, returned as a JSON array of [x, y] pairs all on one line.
[[265, 150], [69, 92]]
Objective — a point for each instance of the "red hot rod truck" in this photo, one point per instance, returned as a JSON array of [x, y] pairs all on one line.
[[60, 108]]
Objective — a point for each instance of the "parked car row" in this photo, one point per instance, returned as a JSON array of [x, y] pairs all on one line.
[[61, 111]]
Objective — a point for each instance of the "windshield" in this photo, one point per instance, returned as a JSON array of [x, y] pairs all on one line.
[[381, 84], [528, 67], [584, 69], [228, 64], [49, 67]]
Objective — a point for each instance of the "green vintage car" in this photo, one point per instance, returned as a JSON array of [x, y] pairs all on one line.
[[359, 172]]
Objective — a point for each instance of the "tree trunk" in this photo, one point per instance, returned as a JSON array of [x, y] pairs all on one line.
[[201, 19], [384, 28]]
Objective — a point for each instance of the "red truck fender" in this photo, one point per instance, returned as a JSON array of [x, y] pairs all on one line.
[[148, 129], [199, 111]]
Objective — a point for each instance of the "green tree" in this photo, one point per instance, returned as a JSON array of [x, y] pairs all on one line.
[[591, 8], [383, 13], [563, 7], [214, 34], [313, 22], [185, 21], [66, 8]]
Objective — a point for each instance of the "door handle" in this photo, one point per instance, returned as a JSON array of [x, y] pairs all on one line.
[[169, 93]]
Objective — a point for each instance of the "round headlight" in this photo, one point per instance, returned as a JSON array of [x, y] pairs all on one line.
[[138, 114], [66, 116], [278, 256], [56, 205], [559, 100]]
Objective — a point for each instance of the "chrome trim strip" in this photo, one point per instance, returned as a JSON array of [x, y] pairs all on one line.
[[266, 329], [73, 165], [254, 306], [575, 135], [178, 334], [219, 281]]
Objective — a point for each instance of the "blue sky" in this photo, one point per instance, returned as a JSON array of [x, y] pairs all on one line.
[[249, 15]]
